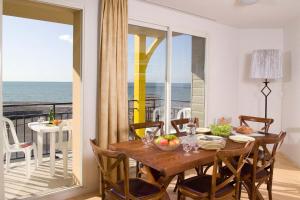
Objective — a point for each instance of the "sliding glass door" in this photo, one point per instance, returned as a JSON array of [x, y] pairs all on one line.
[[146, 74], [187, 77], [162, 62]]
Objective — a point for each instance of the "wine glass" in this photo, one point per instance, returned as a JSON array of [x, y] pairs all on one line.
[[149, 137], [145, 141], [196, 147], [187, 147]]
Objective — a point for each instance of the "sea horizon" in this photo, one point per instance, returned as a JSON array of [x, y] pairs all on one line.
[[61, 92]]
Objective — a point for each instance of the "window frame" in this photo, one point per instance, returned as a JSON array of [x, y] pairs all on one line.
[[168, 70]]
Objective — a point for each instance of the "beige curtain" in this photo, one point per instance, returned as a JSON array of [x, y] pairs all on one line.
[[112, 73]]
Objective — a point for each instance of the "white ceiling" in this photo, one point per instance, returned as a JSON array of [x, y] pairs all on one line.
[[263, 14]]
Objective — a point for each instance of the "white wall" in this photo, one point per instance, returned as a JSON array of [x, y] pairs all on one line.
[[250, 99], [222, 59], [291, 88]]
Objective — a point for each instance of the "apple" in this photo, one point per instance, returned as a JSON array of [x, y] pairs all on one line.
[[176, 141], [164, 142]]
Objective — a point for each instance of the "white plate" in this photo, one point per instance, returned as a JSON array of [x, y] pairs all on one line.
[[241, 138], [209, 137], [202, 130]]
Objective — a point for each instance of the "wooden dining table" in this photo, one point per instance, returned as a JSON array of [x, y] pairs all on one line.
[[162, 166]]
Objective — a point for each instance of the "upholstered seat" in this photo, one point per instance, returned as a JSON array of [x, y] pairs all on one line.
[[138, 188], [201, 186]]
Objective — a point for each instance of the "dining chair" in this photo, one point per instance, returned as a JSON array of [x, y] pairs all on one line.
[[128, 188], [204, 187], [178, 124], [155, 127], [16, 146], [265, 121], [253, 177]]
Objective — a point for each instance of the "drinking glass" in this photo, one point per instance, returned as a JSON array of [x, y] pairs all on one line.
[[187, 147], [196, 147], [149, 137], [145, 141]]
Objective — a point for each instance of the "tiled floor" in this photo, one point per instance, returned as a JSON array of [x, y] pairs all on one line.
[[286, 185], [18, 186]]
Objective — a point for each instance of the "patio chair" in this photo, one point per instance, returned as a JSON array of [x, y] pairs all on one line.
[[157, 114], [184, 113], [128, 188], [26, 148], [212, 186], [154, 126], [65, 146]]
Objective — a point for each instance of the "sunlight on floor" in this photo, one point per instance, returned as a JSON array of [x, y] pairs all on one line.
[[17, 186]]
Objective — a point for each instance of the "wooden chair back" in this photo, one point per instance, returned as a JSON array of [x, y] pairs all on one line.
[[178, 123], [268, 161], [158, 125], [116, 158], [266, 121], [229, 158]]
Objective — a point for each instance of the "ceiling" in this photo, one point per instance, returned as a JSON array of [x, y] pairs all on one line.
[[263, 14]]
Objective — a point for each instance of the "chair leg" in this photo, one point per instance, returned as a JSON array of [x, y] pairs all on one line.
[[27, 160], [8, 154], [269, 188], [138, 169], [179, 195], [34, 149]]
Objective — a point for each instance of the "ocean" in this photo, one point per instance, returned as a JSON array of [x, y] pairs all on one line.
[[62, 91], [37, 92]]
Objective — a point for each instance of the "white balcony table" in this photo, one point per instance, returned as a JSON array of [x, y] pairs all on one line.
[[41, 129]]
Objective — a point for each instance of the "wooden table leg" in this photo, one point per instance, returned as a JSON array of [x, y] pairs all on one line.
[[162, 181]]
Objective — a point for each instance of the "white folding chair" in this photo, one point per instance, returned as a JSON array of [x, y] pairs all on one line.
[[65, 146], [26, 148], [184, 113]]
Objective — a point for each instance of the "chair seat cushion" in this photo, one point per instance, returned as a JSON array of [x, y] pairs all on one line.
[[20, 146], [246, 172], [201, 186], [138, 188]]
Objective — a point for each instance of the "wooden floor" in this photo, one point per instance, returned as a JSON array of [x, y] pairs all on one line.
[[17, 186], [286, 185]]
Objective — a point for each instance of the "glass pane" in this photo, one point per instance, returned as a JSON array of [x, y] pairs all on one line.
[[146, 74], [188, 58]]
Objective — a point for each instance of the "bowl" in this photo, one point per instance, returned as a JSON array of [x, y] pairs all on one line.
[[167, 147]]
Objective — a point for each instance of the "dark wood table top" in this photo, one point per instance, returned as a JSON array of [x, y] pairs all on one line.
[[170, 163]]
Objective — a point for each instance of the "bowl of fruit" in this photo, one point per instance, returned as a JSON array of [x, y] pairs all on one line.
[[167, 142]]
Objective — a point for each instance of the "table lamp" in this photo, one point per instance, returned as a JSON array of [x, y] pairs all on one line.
[[266, 65]]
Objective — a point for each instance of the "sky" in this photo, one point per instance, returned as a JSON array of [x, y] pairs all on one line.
[[181, 60], [36, 50]]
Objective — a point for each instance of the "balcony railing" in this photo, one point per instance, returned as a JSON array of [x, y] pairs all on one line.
[[22, 114]]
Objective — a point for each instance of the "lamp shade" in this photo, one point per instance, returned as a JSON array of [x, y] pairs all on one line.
[[266, 64]]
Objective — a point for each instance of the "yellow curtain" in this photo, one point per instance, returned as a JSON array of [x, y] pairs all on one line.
[[112, 73]]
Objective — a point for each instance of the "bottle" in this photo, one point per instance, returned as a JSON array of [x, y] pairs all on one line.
[[51, 116]]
